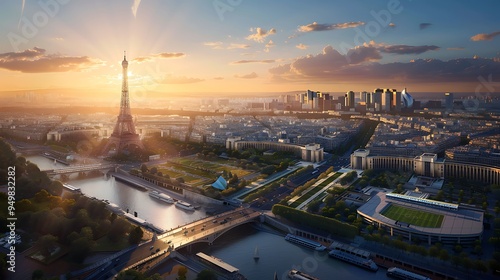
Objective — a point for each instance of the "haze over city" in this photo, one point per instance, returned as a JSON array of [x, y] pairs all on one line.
[[214, 47]]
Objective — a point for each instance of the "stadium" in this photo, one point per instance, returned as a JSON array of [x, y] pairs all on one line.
[[413, 216]]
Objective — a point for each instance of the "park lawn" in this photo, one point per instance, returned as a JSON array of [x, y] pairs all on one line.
[[210, 165], [413, 216], [316, 189]]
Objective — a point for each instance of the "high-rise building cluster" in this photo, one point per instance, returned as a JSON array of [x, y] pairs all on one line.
[[380, 100]]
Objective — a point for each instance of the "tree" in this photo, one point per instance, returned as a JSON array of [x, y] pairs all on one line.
[[118, 229], [314, 206], [47, 243], [206, 275], [79, 249], [153, 170], [135, 235], [144, 168], [268, 170], [443, 255], [181, 272]]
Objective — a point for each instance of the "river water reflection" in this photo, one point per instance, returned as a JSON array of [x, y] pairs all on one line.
[[161, 214], [237, 248]]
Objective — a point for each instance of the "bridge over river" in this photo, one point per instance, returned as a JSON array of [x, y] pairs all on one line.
[[151, 253], [80, 168]]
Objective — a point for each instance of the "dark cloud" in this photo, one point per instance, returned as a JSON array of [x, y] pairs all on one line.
[[37, 61], [484, 36], [405, 49], [361, 64], [158, 55], [252, 75], [253, 61], [324, 27], [424, 25]]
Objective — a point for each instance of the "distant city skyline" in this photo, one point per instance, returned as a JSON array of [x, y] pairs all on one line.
[[249, 46]]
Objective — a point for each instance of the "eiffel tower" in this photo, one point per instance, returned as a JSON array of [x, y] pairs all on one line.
[[124, 136]]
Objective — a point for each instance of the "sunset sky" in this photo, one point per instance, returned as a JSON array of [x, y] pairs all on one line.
[[248, 45]]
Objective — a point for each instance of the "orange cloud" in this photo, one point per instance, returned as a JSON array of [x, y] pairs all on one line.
[[158, 55], [260, 34], [252, 75], [484, 36]]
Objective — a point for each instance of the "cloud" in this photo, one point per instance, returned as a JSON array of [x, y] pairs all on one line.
[[405, 49], [392, 24], [214, 45], [260, 34], [158, 55], [456, 49], [360, 64], [135, 6], [238, 46], [219, 78], [484, 36], [424, 25], [169, 79], [220, 46], [37, 61], [324, 27], [253, 61], [301, 46], [269, 45], [252, 75]]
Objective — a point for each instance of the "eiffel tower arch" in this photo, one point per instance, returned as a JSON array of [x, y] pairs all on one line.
[[124, 136]]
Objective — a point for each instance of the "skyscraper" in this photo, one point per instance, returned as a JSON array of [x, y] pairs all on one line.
[[377, 99], [349, 99], [396, 101], [124, 137], [448, 101]]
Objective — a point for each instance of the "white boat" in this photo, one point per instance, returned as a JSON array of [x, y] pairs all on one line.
[[350, 258], [184, 205], [161, 196], [256, 254], [404, 274], [305, 242], [297, 275], [352, 255]]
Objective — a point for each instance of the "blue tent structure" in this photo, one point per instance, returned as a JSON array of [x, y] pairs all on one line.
[[220, 184]]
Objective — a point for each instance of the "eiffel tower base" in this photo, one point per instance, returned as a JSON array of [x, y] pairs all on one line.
[[123, 143]]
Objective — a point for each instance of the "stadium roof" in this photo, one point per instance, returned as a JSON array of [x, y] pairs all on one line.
[[455, 222]]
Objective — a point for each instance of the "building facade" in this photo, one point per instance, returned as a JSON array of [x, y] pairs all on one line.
[[428, 165]]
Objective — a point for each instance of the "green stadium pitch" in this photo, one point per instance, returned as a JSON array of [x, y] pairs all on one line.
[[412, 216]]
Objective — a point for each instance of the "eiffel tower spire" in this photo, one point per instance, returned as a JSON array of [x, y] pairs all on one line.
[[124, 135]]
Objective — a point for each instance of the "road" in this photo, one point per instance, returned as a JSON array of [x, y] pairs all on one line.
[[175, 238]]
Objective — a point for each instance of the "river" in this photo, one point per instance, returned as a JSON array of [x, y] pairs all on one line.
[[235, 247], [160, 214]]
